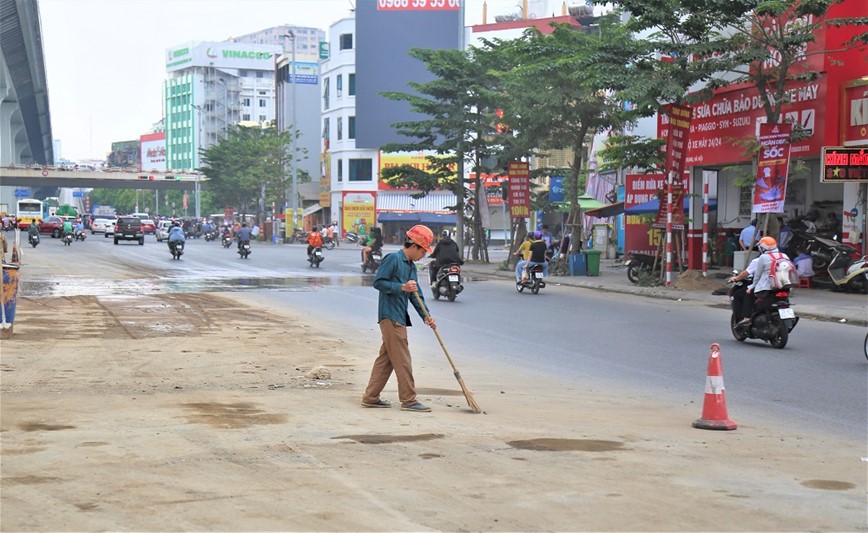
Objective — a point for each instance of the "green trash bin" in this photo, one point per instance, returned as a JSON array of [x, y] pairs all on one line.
[[593, 261]]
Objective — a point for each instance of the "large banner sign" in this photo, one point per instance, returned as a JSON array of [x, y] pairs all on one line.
[[774, 159], [519, 189], [153, 154], [676, 155], [418, 5], [360, 209]]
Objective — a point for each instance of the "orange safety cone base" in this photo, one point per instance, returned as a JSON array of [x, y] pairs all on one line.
[[725, 425]]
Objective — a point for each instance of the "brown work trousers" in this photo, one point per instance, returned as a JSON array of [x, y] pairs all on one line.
[[394, 355]]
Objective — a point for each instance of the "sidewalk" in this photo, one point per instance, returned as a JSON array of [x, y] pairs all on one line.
[[815, 303]]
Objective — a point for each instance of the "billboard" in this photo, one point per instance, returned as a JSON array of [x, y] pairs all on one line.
[[385, 33], [222, 55], [359, 208], [773, 163], [153, 152]]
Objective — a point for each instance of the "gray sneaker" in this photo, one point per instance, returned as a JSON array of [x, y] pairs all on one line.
[[417, 407]]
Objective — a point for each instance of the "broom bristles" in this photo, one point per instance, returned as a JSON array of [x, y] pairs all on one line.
[[467, 395]]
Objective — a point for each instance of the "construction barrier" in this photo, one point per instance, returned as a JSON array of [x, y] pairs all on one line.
[[714, 415]]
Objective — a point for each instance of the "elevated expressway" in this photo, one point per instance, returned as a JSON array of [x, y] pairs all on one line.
[[36, 176]]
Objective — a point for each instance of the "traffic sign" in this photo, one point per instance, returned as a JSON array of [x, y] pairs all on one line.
[[77, 194], [22, 193]]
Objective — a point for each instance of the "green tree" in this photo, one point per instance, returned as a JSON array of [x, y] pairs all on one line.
[[248, 168], [566, 86], [459, 127]]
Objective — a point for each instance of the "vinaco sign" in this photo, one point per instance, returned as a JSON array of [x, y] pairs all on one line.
[[844, 164]]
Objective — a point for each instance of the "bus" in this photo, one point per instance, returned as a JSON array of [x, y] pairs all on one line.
[[29, 211]]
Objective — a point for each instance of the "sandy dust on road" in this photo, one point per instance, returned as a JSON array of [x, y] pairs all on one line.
[[192, 412]]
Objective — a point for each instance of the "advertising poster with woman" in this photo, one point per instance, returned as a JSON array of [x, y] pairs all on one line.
[[359, 212]]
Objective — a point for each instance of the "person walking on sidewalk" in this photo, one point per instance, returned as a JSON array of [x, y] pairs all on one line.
[[397, 282]]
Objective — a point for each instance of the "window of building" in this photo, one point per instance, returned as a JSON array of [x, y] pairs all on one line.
[[339, 86], [745, 201], [361, 169], [245, 116], [340, 128], [262, 102], [352, 83], [258, 73], [262, 93], [340, 170], [351, 127], [346, 41], [325, 93], [261, 118], [325, 131], [245, 101], [242, 73]]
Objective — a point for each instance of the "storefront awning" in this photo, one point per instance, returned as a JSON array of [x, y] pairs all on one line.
[[436, 202], [311, 210], [434, 219], [611, 210]]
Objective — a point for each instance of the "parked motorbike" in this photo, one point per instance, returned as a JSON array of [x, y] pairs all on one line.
[[226, 241], [67, 239], [297, 236], [80, 236], [639, 265], [535, 280], [315, 257], [244, 249], [845, 273], [373, 262], [33, 240], [177, 249], [351, 237], [448, 282], [772, 325]]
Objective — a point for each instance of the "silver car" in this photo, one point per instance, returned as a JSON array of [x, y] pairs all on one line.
[[102, 225], [163, 228]]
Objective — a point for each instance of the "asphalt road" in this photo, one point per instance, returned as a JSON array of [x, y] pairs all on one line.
[[641, 346]]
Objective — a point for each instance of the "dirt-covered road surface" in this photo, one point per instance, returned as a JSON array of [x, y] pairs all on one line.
[[199, 412]]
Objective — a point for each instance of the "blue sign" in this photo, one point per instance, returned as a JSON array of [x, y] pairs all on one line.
[[77, 194], [22, 193], [556, 189]]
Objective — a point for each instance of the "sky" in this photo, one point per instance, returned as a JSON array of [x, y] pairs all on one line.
[[105, 59]]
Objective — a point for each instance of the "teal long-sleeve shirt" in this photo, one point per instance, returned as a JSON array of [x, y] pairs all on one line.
[[396, 270]]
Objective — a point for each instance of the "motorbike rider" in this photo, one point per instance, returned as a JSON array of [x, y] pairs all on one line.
[[445, 253], [762, 284], [32, 231], [742, 300], [375, 242], [67, 228], [537, 257], [243, 235], [314, 240], [79, 227], [176, 235]]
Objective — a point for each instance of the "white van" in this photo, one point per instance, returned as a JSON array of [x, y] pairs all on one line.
[[163, 228]]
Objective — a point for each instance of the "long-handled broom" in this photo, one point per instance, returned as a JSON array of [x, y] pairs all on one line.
[[470, 401]]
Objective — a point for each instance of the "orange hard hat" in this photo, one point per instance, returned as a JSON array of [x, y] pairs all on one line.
[[422, 236]]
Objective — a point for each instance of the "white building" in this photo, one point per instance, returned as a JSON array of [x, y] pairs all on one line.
[[349, 170]]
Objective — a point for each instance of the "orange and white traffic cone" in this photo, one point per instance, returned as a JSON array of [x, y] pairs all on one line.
[[15, 257], [714, 414]]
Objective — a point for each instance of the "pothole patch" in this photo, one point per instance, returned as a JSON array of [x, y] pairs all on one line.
[[828, 484], [389, 439], [567, 445]]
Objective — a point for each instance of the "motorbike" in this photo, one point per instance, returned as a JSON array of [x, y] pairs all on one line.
[[33, 239], [297, 237], [535, 280], [845, 273], [328, 244], [772, 325], [210, 235], [67, 239], [639, 265], [351, 237], [315, 257], [226, 241], [80, 236], [177, 249], [373, 262], [448, 282], [244, 249]]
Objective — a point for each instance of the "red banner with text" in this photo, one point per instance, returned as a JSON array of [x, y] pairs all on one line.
[[519, 189], [770, 188]]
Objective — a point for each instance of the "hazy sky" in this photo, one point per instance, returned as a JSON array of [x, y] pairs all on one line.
[[105, 59]]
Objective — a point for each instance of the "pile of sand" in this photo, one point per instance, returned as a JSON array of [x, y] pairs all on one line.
[[693, 280]]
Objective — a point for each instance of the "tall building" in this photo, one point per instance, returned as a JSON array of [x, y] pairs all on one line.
[[211, 86]]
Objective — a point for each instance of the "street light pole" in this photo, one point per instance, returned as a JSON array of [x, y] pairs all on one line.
[[292, 134]]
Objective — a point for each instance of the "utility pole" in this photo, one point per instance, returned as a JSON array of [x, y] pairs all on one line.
[[292, 195]]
